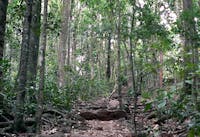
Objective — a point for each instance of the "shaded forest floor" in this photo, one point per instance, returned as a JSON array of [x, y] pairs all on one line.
[[102, 118]]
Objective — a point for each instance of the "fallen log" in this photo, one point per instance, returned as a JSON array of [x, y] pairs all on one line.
[[104, 115]]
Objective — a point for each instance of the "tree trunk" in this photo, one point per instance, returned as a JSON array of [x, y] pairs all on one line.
[[188, 44], [3, 12], [69, 35], [134, 90], [119, 83], [125, 68], [161, 71], [63, 42], [73, 58], [22, 73], [33, 50], [42, 67], [108, 71]]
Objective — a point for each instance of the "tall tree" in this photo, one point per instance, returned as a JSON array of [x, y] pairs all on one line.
[[3, 12], [34, 45], [132, 70], [69, 34], [119, 83], [42, 67], [189, 26], [108, 70], [20, 87], [110, 16], [191, 52], [63, 42]]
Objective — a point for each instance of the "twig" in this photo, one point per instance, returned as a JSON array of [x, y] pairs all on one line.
[[5, 118]]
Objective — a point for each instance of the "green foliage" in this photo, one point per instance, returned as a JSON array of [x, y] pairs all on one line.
[[54, 17], [91, 23], [169, 103], [194, 127], [77, 87]]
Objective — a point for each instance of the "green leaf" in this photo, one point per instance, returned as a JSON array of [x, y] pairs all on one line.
[[191, 133], [146, 95], [162, 104], [189, 81], [148, 106]]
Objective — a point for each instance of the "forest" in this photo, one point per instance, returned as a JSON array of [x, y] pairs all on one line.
[[99, 68]]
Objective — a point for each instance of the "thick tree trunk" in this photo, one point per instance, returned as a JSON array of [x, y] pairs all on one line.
[[3, 12], [63, 42], [33, 50], [42, 67], [22, 73]]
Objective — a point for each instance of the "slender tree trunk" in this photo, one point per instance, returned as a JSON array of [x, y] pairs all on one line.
[[156, 73], [108, 71], [161, 71], [132, 67], [92, 72], [195, 86], [42, 67], [63, 42], [196, 76], [110, 33], [125, 70], [69, 35], [3, 12], [119, 83], [73, 60], [188, 45], [22, 73]]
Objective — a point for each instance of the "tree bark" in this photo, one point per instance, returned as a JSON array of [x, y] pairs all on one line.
[[161, 71], [20, 88], [189, 26], [134, 90], [3, 12], [63, 42], [39, 111], [33, 50], [119, 83], [69, 35], [108, 71]]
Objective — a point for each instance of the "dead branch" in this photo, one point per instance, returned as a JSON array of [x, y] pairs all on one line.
[[28, 122]]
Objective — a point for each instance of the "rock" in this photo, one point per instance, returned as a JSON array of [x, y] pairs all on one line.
[[113, 104], [99, 128]]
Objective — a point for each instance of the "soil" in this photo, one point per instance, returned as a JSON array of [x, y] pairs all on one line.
[[103, 118]]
